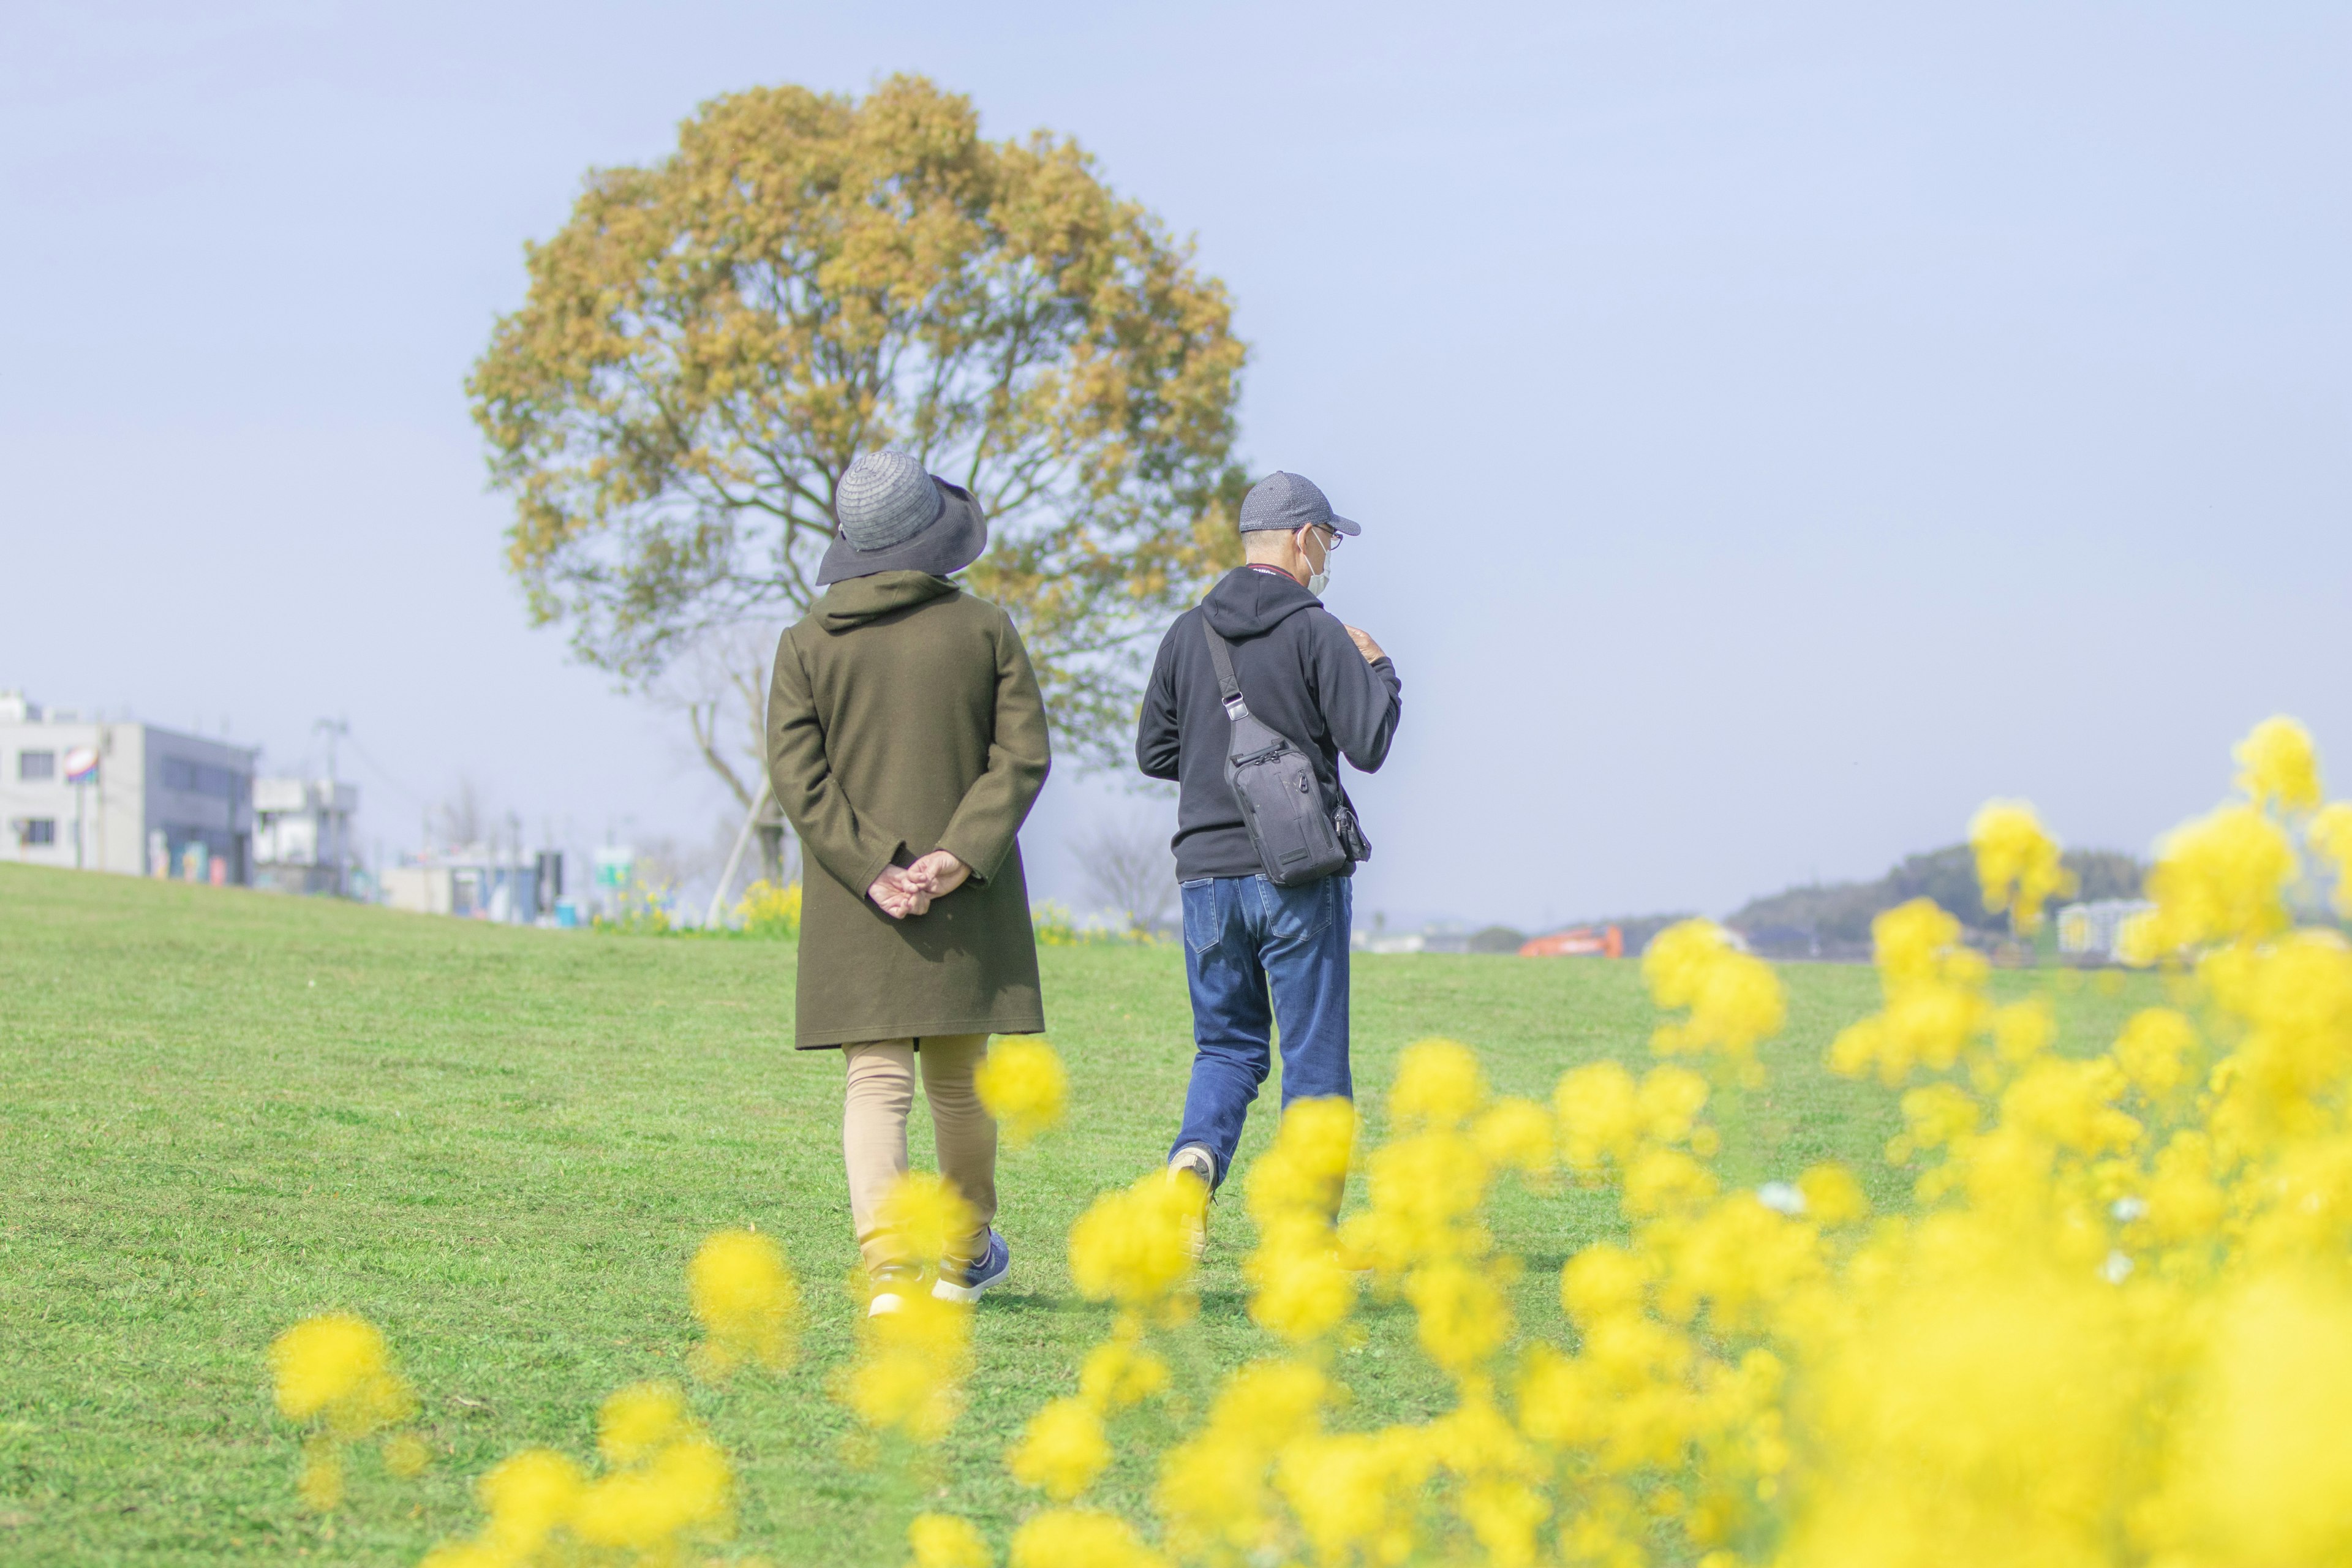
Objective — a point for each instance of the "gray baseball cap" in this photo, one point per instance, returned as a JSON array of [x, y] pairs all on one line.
[[1289, 501]]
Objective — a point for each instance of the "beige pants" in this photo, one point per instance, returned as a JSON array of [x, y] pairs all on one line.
[[874, 1131]]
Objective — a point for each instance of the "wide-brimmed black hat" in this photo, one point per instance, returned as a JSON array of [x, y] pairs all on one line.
[[894, 517]]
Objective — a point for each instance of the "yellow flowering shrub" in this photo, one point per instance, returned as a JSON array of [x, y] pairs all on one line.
[[2111, 1323], [2115, 1325], [767, 910], [664, 1486]]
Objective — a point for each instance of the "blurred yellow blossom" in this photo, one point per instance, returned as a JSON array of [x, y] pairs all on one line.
[[1134, 1246], [2018, 864], [1080, 1538], [925, 1217], [1062, 1449], [336, 1369], [944, 1540], [1734, 999], [1023, 1084], [743, 1295], [2278, 765], [665, 1484]]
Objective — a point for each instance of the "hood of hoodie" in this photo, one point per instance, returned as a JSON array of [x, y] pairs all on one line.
[[1249, 603], [858, 600]]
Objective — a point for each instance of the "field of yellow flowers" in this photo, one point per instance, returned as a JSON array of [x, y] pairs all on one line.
[[1797, 1266]]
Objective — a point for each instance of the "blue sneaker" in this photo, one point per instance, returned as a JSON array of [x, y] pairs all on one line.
[[970, 1282]]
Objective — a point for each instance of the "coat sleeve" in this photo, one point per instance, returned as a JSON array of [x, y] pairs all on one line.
[[1159, 738], [853, 851], [982, 832], [1361, 702]]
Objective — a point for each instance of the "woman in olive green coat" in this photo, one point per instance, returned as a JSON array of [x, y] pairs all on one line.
[[906, 740]]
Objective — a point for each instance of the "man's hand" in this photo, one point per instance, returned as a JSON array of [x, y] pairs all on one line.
[[939, 874], [1365, 645], [898, 895]]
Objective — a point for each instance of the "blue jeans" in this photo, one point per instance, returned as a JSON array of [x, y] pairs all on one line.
[[1241, 933]]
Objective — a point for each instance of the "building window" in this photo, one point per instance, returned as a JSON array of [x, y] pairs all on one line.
[[197, 778], [35, 766], [37, 832]]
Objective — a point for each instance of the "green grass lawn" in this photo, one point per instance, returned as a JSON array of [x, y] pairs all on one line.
[[222, 1111]]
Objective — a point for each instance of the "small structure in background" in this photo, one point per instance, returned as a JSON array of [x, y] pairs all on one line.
[[474, 881], [1580, 941], [2093, 932], [118, 795], [302, 836]]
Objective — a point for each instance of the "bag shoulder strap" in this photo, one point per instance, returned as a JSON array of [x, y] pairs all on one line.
[[1221, 654]]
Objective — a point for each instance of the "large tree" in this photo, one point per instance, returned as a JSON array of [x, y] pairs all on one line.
[[709, 340]]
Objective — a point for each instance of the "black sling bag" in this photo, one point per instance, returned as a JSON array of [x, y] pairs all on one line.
[[1297, 839]]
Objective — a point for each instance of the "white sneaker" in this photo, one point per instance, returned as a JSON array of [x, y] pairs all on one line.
[[889, 1288], [1195, 1158]]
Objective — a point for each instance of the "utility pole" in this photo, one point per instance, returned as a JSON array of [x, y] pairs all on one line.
[[334, 729]]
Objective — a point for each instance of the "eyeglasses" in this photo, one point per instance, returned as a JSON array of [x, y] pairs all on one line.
[[1330, 538]]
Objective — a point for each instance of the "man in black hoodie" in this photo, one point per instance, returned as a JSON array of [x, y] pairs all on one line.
[[1329, 690]]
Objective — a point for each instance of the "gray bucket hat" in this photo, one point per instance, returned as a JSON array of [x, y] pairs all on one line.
[[894, 517]]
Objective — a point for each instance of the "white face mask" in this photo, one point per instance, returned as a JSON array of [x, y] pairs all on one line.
[[1318, 580]]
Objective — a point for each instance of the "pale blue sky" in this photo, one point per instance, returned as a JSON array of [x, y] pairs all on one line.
[[1776, 428]]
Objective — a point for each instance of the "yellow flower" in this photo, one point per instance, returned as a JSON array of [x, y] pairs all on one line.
[[2220, 879], [1134, 1246], [1118, 1374], [666, 1483], [2329, 834], [684, 1486], [768, 911], [1833, 1197], [1516, 1134], [1061, 1450], [1080, 1538], [2278, 765], [1600, 1115], [1464, 1318], [1734, 1000], [943, 1541], [1211, 1491], [1358, 1495], [1023, 1084], [1307, 1168], [925, 1216], [527, 1497], [2155, 1051], [743, 1295], [2018, 864], [2261, 1469], [909, 1374], [1604, 1281], [338, 1365], [1439, 1085], [638, 1421]]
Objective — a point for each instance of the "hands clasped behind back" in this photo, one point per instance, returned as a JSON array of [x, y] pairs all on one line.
[[903, 891]]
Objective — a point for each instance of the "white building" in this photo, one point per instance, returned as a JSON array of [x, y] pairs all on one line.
[[302, 835], [122, 797], [476, 882], [2097, 930]]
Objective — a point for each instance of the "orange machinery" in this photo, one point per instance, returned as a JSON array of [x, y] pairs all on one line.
[[1584, 942]]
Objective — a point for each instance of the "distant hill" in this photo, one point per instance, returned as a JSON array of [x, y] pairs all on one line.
[[1832, 920]]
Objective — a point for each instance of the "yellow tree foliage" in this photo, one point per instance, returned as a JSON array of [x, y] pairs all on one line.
[[711, 339]]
